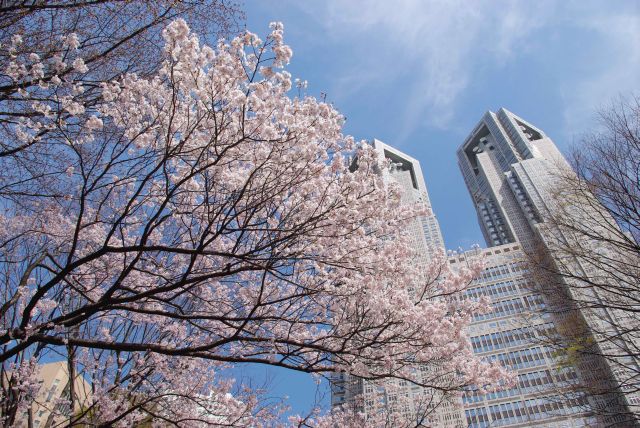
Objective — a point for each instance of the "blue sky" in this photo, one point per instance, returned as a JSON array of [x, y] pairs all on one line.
[[419, 74]]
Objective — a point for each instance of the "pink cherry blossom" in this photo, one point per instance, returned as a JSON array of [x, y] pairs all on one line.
[[200, 217]]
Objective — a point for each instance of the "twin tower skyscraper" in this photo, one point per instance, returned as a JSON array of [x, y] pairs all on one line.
[[508, 167]]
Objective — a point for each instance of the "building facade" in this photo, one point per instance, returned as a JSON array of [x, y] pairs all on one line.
[[516, 334], [508, 166]]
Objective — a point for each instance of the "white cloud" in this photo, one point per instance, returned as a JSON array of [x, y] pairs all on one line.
[[433, 50], [444, 43]]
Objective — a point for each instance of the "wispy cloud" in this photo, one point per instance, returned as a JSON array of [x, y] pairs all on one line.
[[434, 49], [442, 44]]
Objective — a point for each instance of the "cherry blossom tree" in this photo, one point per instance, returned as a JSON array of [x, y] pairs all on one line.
[[158, 227], [116, 37]]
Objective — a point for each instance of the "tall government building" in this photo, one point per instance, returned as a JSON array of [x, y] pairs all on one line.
[[508, 165], [424, 409], [510, 168]]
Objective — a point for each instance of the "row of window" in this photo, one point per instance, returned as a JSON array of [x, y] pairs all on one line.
[[515, 337], [497, 290], [523, 411], [496, 272], [524, 358], [501, 309], [476, 397], [534, 302], [501, 339], [534, 381], [527, 383]]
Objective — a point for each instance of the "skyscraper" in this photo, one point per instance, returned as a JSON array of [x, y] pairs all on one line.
[[431, 408], [406, 171], [510, 169], [502, 162]]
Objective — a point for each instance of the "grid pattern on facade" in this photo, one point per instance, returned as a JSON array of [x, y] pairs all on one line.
[[515, 335]]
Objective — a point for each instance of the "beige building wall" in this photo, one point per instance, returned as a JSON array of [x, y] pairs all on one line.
[[48, 408]]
